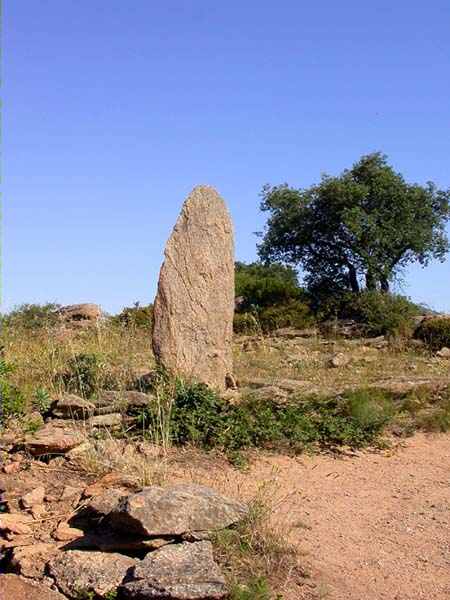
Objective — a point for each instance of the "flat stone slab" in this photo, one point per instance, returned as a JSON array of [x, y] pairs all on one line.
[[13, 587], [181, 509], [53, 439], [96, 572], [177, 572], [71, 406]]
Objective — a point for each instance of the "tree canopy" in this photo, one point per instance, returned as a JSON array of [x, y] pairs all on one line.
[[358, 229]]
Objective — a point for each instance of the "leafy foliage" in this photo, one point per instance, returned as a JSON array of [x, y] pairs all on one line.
[[12, 402], [357, 229], [83, 374], [136, 316], [32, 316], [435, 333]]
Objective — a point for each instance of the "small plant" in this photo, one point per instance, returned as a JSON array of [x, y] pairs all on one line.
[[83, 374], [255, 589], [12, 402], [42, 401], [112, 595]]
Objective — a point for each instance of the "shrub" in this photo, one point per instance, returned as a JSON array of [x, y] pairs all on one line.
[[32, 316], [135, 316], [83, 374], [11, 399], [294, 314], [246, 323], [379, 313], [262, 285], [435, 333], [195, 414]]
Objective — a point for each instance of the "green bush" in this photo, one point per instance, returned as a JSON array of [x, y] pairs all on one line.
[[435, 333], [197, 415], [293, 314], [261, 285], [83, 374], [32, 316], [135, 316], [246, 323], [379, 313], [12, 402]]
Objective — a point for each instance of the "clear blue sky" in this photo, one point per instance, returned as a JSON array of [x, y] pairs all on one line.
[[115, 109]]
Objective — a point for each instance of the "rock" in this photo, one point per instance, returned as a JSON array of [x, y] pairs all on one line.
[[16, 523], [194, 306], [108, 481], [96, 572], [111, 420], [339, 360], [71, 406], [292, 333], [33, 498], [12, 468], [443, 353], [13, 587], [177, 572], [158, 511], [270, 393], [38, 511], [65, 533], [89, 313], [53, 440], [103, 504], [30, 561], [112, 401]]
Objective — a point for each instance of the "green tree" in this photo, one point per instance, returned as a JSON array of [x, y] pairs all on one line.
[[356, 230]]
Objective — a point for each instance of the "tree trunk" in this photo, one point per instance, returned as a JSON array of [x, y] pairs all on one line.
[[384, 285], [353, 278], [371, 283]]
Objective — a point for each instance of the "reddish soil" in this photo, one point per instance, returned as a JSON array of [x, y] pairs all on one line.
[[373, 525]]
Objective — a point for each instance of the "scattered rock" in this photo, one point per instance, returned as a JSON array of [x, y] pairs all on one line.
[[12, 468], [17, 523], [111, 401], [14, 587], [194, 307], [30, 561], [443, 353], [108, 481], [53, 439], [177, 572], [270, 393], [65, 533], [339, 360], [71, 406], [158, 511], [33, 498], [96, 572]]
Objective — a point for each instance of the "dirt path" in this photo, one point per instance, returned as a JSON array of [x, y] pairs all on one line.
[[372, 526]]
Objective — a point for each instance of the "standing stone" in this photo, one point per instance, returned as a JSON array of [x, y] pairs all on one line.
[[194, 306]]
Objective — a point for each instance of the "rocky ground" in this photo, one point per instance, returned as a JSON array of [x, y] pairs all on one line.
[[369, 524]]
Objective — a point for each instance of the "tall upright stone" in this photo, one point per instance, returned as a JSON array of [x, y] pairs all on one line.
[[194, 306]]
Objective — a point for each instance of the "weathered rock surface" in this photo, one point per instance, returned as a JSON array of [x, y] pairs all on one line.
[[443, 353], [194, 306], [339, 360], [71, 406], [111, 401], [33, 497], [13, 587], [53, 439], [110, 420], [80, 312], [30, 561], [158, 511], [95, 572], [178, 572], [16, 523]]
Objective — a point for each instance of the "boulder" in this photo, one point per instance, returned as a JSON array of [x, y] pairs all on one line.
[[13, 587], [71, 406], [158, 511], [16, 523], [339, 360], [53, 439], [177, 572], [112, 401], [113, 420], [65, 533], [96, 572], [194, 306], [80, 312]]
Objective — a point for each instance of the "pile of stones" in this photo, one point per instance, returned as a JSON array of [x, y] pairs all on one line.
[[153, 543]]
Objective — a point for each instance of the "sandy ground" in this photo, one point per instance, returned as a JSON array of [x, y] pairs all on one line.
[[371, 526]]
